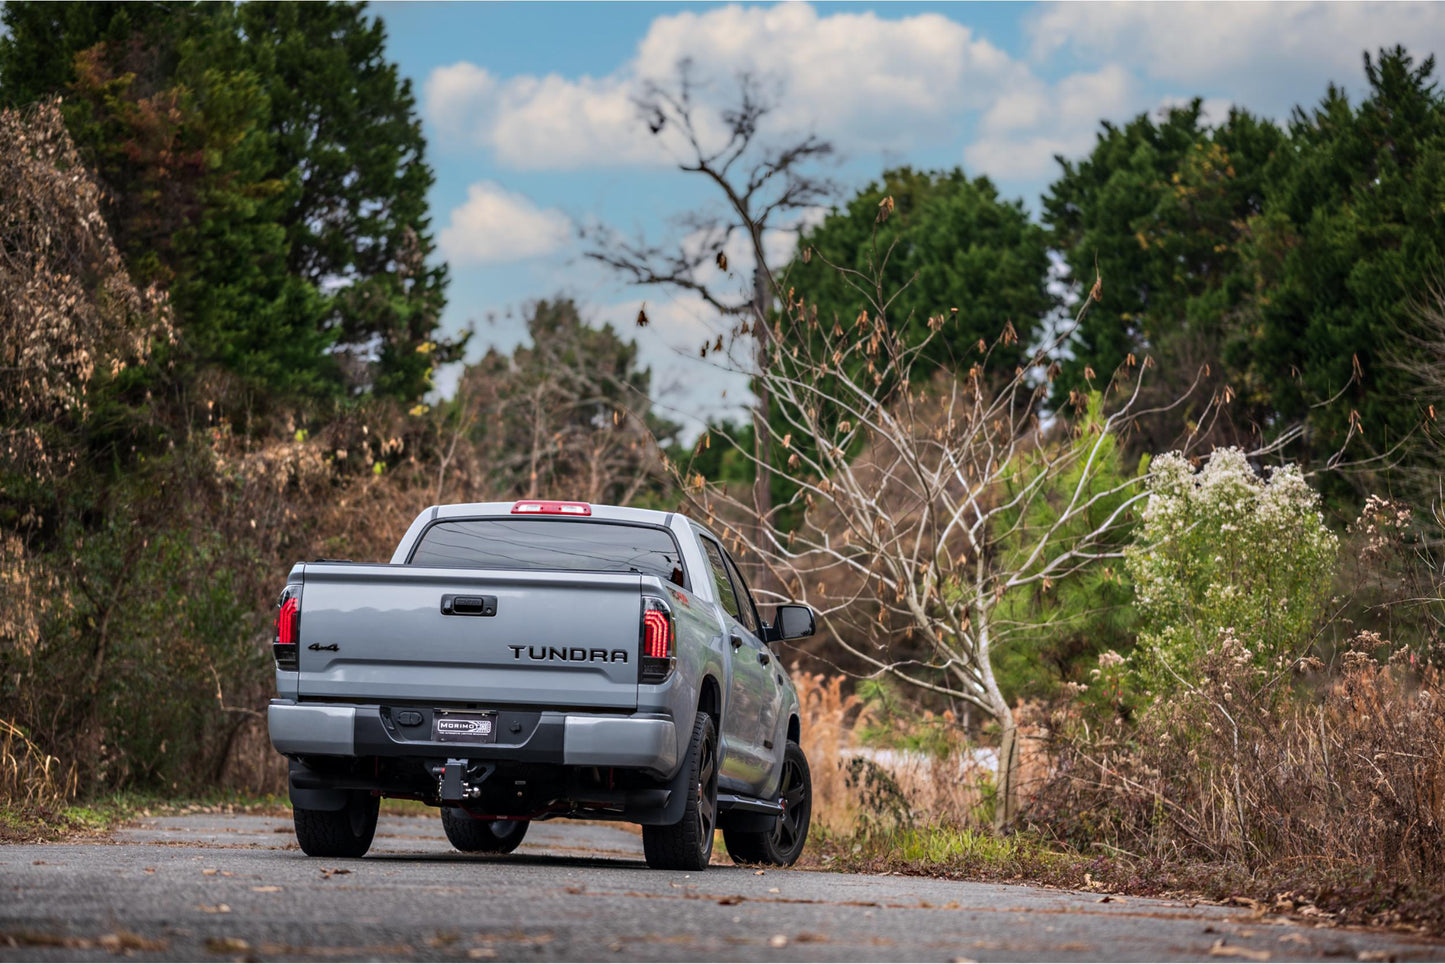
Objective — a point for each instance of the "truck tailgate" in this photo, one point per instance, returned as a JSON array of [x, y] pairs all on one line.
[[378, 633]]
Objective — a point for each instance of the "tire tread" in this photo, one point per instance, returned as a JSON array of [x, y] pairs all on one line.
[[677, 847], [328, 833]]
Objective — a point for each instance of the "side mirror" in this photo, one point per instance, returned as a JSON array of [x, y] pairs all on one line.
[[793, 622]]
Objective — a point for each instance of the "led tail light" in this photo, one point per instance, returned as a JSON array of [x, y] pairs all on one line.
[[286, 642], [657, 640], [532, 507]]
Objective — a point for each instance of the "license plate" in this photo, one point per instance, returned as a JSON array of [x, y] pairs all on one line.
[[464, 727]]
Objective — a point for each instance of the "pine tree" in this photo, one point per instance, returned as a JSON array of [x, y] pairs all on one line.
[[1160, 210], [953, 246], [345, 122], [1351, 239]]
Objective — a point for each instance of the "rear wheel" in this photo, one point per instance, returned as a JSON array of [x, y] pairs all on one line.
[[338, 833], [687, 844], [474, 836], [783, 844]]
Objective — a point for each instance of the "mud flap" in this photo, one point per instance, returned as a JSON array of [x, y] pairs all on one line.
[[677, 797], [303, 798], [313, 798]]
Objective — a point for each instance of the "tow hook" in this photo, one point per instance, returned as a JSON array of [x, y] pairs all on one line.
[[453, 785]]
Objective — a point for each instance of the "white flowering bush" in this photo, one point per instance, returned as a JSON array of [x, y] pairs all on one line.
[[1225, 552]]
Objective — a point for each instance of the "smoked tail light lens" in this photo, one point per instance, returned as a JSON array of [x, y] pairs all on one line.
[[657, 640], [286, 640]]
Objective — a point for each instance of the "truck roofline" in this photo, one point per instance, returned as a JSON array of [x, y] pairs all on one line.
[[609, 513]]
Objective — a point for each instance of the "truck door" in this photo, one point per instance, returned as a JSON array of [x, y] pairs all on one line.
[[744, 763], [770, 690]]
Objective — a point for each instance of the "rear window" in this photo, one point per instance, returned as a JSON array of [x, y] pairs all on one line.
[[550, 544]]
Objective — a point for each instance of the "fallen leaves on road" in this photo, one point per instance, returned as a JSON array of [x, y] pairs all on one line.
[[214, 908], [759, 873], [267, 889], [778, 940], [120, 942], [1221, 949], [335, 872], [227, 945], [731, 900], [481, 953]]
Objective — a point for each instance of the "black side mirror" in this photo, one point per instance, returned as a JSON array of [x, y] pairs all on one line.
[[793, 622]]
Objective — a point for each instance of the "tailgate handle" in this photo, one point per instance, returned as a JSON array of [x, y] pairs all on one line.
[[453, 605]]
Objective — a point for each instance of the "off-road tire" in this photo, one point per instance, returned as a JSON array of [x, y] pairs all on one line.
[[687, 844], [783, 844], [338, 833], [473, 836]]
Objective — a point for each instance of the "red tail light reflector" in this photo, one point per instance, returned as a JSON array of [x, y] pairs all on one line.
[[286, 642], [286, 623], [658, 641], [656, 635]]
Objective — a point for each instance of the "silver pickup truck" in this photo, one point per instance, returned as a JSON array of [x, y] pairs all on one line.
[[530, 660]]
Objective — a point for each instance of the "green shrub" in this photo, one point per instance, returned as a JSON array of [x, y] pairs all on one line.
[[1225, 550]]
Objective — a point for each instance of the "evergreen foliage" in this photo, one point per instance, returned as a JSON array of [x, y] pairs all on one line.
[[1160, 210], [1051, 632], [264, 164], [952, 246], [1351, 240], [1290, 262]]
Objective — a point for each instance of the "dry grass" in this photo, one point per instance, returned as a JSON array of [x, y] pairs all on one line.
[[1238, 771], [828, 719], [897, 785], [28, 775]]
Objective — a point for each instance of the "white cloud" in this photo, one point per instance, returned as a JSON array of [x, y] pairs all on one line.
[[1023, 130], [1261, 53], [856, 78], [496, 225]]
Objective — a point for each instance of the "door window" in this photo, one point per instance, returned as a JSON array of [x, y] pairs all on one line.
[[749, 617], [724, 585]]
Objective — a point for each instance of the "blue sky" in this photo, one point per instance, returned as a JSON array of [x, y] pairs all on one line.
[[531, 134]]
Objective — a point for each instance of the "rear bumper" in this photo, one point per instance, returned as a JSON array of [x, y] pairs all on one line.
[[646, 742]]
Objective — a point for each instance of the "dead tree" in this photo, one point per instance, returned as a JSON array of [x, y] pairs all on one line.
[[766, 188]]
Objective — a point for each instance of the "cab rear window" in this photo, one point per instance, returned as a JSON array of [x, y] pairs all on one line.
[[550, 544]]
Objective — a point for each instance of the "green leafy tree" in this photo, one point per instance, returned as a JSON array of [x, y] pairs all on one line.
[[186, 154], [345, 122], [1351, 239], [1159, 209], [949, 245], [38, 47], [954, 263], [265, 163]]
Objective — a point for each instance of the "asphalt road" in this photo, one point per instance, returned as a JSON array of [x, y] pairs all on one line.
[[217, 887]]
